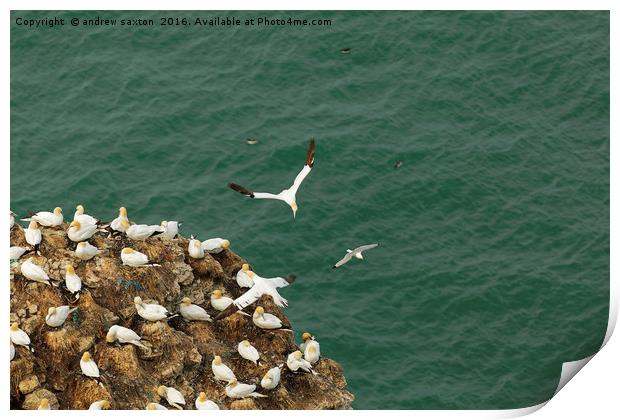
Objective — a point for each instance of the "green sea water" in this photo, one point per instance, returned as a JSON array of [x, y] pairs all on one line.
[[493, 267]]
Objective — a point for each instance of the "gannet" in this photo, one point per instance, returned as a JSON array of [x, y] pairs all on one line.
[[84, 219], [243, 280], [271, 378], [45, 218], [116, 224], [170, 229], [310, 347], [133, 258], [195, 249], [262, 286], [100, 405], [248, 352], [357, 253], [123, 335], [295, 361], [18, 336], [220, 302], [15, 252], [288, 195], [44, 404], [221, 371], [33, 235], [150, 311], [174, 397], [73, 282], [215, 245], [88, 366], [236, 389], [12, 220], [34, 272], [12, 350], [86, 251], [193, 312], [202, 403], [56, 316], [81, 232], [155, 406], [140, 232], [265, 320]]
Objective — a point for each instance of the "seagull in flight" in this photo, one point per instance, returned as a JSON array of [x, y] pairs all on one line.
[[357, 253], [287, 195]]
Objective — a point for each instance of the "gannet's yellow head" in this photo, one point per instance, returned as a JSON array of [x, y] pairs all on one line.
[[217, 360], [127, 251], [259, 310], [81, 245], [294, 207], [251, 274], [57, 211], [110, 337], [217, 294], [33, 225], [75, 224], [86, 357], [125, 224], [70, 270], [105, 405], [14, 326], [137, 300], [122, 212], [306, 336], [245, 267], [51, 311], [162, 390], [202, 397], [44, 404], [79, 209], [225, 243], [151, 406], [297, 355], [233, 382], [186, 301], [268, 375], [164, 224], [245, 343]]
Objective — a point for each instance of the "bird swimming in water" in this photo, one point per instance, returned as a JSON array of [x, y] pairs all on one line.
[[133, 258], [295, 361], [202, 403], [173, 396], [33, 235], [251, 141], [271, 378], [56, 316], [345, 50], [84, 219], [288, 195], [357, 253], [88, 366], [220, 302], [100, 405], [85, 251], [236, 389], [243, 279], [141, 232], [264, 320], [150, 311], [215, 245], [192, 312], [195, 250], [34, 272], [46, 218], [398, 164], [79, 233], [124, 336], [221, 371], [310, 347], [248, 351]]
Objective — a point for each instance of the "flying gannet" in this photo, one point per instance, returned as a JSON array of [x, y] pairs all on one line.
[[46, 218], [84, 219], [248, 351], [271, 378], [295, 361], [150, 311], [100, 405], [220, 302], [155, 406], [221, 371], [192, 312], [133, 258], [79, 232], [262, 286], [202, 403], [195, 249], [88, 366], [170, 229], [287, 195], [243, 280], [33, 272], [236, 389], [140, 232], [56, 316], [357, 253], [116, 225], [19, 337], [124, 336], [33, 235], [73, 282], [174, 397], [265, 320], [85, 251], [44, 404], [15, 252], [311, 348]]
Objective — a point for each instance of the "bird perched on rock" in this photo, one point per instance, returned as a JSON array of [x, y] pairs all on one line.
[[133, 258], [12, 350], [88, 366], [116, 225], [85, 251], [16, 252], [295, 361], [150, 311], [140, 232], [243, 279], [248, 351], [33, 235], [310, 347], [215, 245], [12, 220], [236, 389], [73, 282], [195, 250], [155, 406], [192, 312], [202, 403], [221, 371], [264, 320], [46, 218], [123, 335], [219, 301], [19, 337], [34, 272], [174, 397], [171, 229], [100, 405], [79, 232], [84, 219], [271, 378], [56, 316], [44, 404]]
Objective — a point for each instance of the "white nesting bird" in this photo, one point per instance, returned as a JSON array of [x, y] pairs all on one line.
[[195, 250], [202, 403], [124, 336], [219, 301], [56, 316], [310, 347], [288, 195], [150, 311], [357, 253], [84, 219], [85, 251], [171, 229], [88, 366], [215, 245], [221, 371], [264, 320], [44, 404], [236, 389], [243, 279], [192, 312], [117, 224], [33, 234], [155, 406], [173, 396], [12, 350], [295, 361], [262, 286], [46, 218], [100, 405], [12, 220], [15, 252], [271, 378], [73, 282], [248, 351], [79, 232], [18, 336], [140, 232], [34, 272], [134, 258]]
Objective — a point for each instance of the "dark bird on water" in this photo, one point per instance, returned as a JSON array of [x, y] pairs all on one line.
[[398, 164], [345, 50]]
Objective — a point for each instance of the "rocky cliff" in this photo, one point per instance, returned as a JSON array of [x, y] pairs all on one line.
[[178, 353]]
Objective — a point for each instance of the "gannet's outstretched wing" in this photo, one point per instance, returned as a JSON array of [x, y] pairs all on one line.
[[281, 281], [306, 169], [252, 194]]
